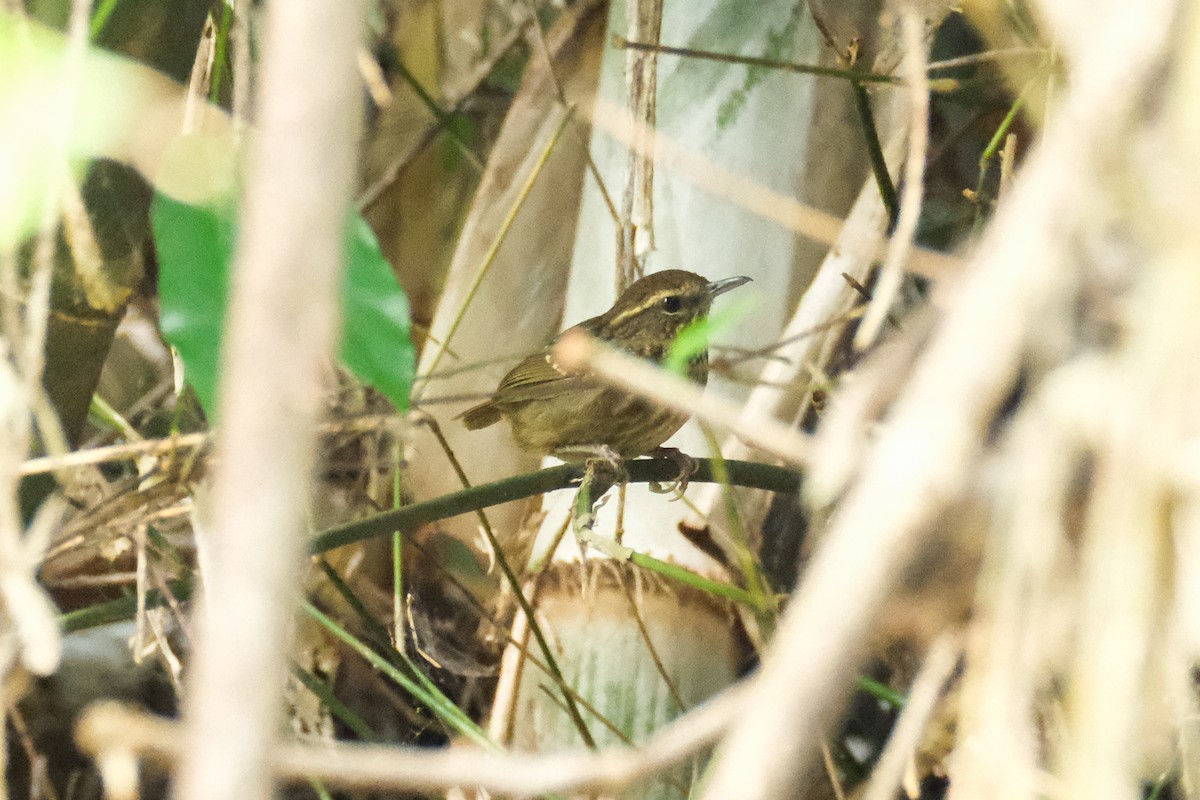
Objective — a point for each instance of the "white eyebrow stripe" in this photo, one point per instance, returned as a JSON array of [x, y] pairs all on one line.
[[648, 303]]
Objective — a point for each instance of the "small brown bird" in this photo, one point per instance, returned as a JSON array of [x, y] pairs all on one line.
[[576, 416]]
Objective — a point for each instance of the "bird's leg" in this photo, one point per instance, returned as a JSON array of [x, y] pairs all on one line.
[[596, 452], [687, 468]]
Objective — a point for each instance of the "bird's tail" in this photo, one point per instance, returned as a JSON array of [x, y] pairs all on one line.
[[480, 416]]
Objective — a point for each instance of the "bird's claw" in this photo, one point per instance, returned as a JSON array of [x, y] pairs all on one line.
[[687, 468]]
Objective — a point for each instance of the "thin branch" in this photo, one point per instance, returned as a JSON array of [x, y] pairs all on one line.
[[514, 583], [978, 196], [883, 179], [444, 118], [544, 50], [110, 728], [635, 229], [578, 351], [834, 72], [183, 443], [642, 470], [848, 58], [456, 98], [768, 63], [635, 612], [116, 452], [501, 235], [708, 176], [903, 237], [989, 55]]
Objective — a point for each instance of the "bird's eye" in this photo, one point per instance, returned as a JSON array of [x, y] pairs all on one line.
[[671, 304]]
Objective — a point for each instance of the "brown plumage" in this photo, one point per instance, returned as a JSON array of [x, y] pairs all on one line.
[[573, 415]]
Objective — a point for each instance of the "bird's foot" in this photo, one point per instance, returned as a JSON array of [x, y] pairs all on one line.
[[687, 468], [590, 453]]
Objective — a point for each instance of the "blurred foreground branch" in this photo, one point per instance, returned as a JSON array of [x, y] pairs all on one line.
[[1072, 230], [282, 329], [112, 731]]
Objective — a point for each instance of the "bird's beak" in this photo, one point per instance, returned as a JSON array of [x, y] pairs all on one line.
[[725, 284]]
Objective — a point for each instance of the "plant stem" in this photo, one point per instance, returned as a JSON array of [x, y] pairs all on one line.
[[754, 61], [741, 473], [708, 585], [887, 189], [989, 153]]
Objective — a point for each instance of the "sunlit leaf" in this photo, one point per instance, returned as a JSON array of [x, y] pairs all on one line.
[[695, 336], [48, 119]]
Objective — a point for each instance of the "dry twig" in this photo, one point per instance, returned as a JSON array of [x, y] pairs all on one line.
[[281, 331], [903, 238], [578, 351], [111, 728], [710, 177], [635, 231]]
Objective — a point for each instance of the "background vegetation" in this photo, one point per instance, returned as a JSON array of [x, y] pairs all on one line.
[[255, 258]]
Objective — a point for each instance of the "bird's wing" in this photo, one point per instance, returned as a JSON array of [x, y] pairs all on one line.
[[535, 378]]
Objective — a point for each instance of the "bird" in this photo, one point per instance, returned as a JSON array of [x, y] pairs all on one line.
[[577, 417]]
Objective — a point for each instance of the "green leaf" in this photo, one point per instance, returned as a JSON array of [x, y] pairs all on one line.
[[195, 248], [376, 345], [693, 339]]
